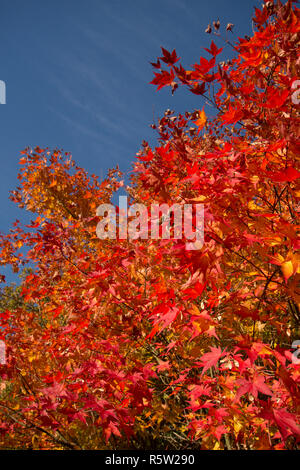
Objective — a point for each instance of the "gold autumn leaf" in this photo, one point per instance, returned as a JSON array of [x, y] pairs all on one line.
[[290, 266]]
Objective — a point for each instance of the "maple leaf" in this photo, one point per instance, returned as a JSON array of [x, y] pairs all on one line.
[[57, 390], [290, 265], [252, 386], [261, 16], [211, 358], [194, 291], [286, 420], [111, 429], [168, 317], [219, 431], [288, 175], [219, 413], [162, 366], [234, 114], [198, 89], [156, 64], [276, 98], [205, 66]]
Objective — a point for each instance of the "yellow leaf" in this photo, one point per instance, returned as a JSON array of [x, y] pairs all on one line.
[[253, 206], [199, 199], [31, 357], [217, 446], [287, 269], [275, 241], [237, 425]]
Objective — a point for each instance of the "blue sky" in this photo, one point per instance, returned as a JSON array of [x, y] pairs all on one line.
[[77, 75]]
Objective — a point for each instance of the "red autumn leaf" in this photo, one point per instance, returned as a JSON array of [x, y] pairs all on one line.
[[261, 16], [198, 89], [253, 386], [170, 58], [163, 79], [162, 366], [286, 421], [233, 115], [219, 431], [276, 98], [104, 338], [288, 175]]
